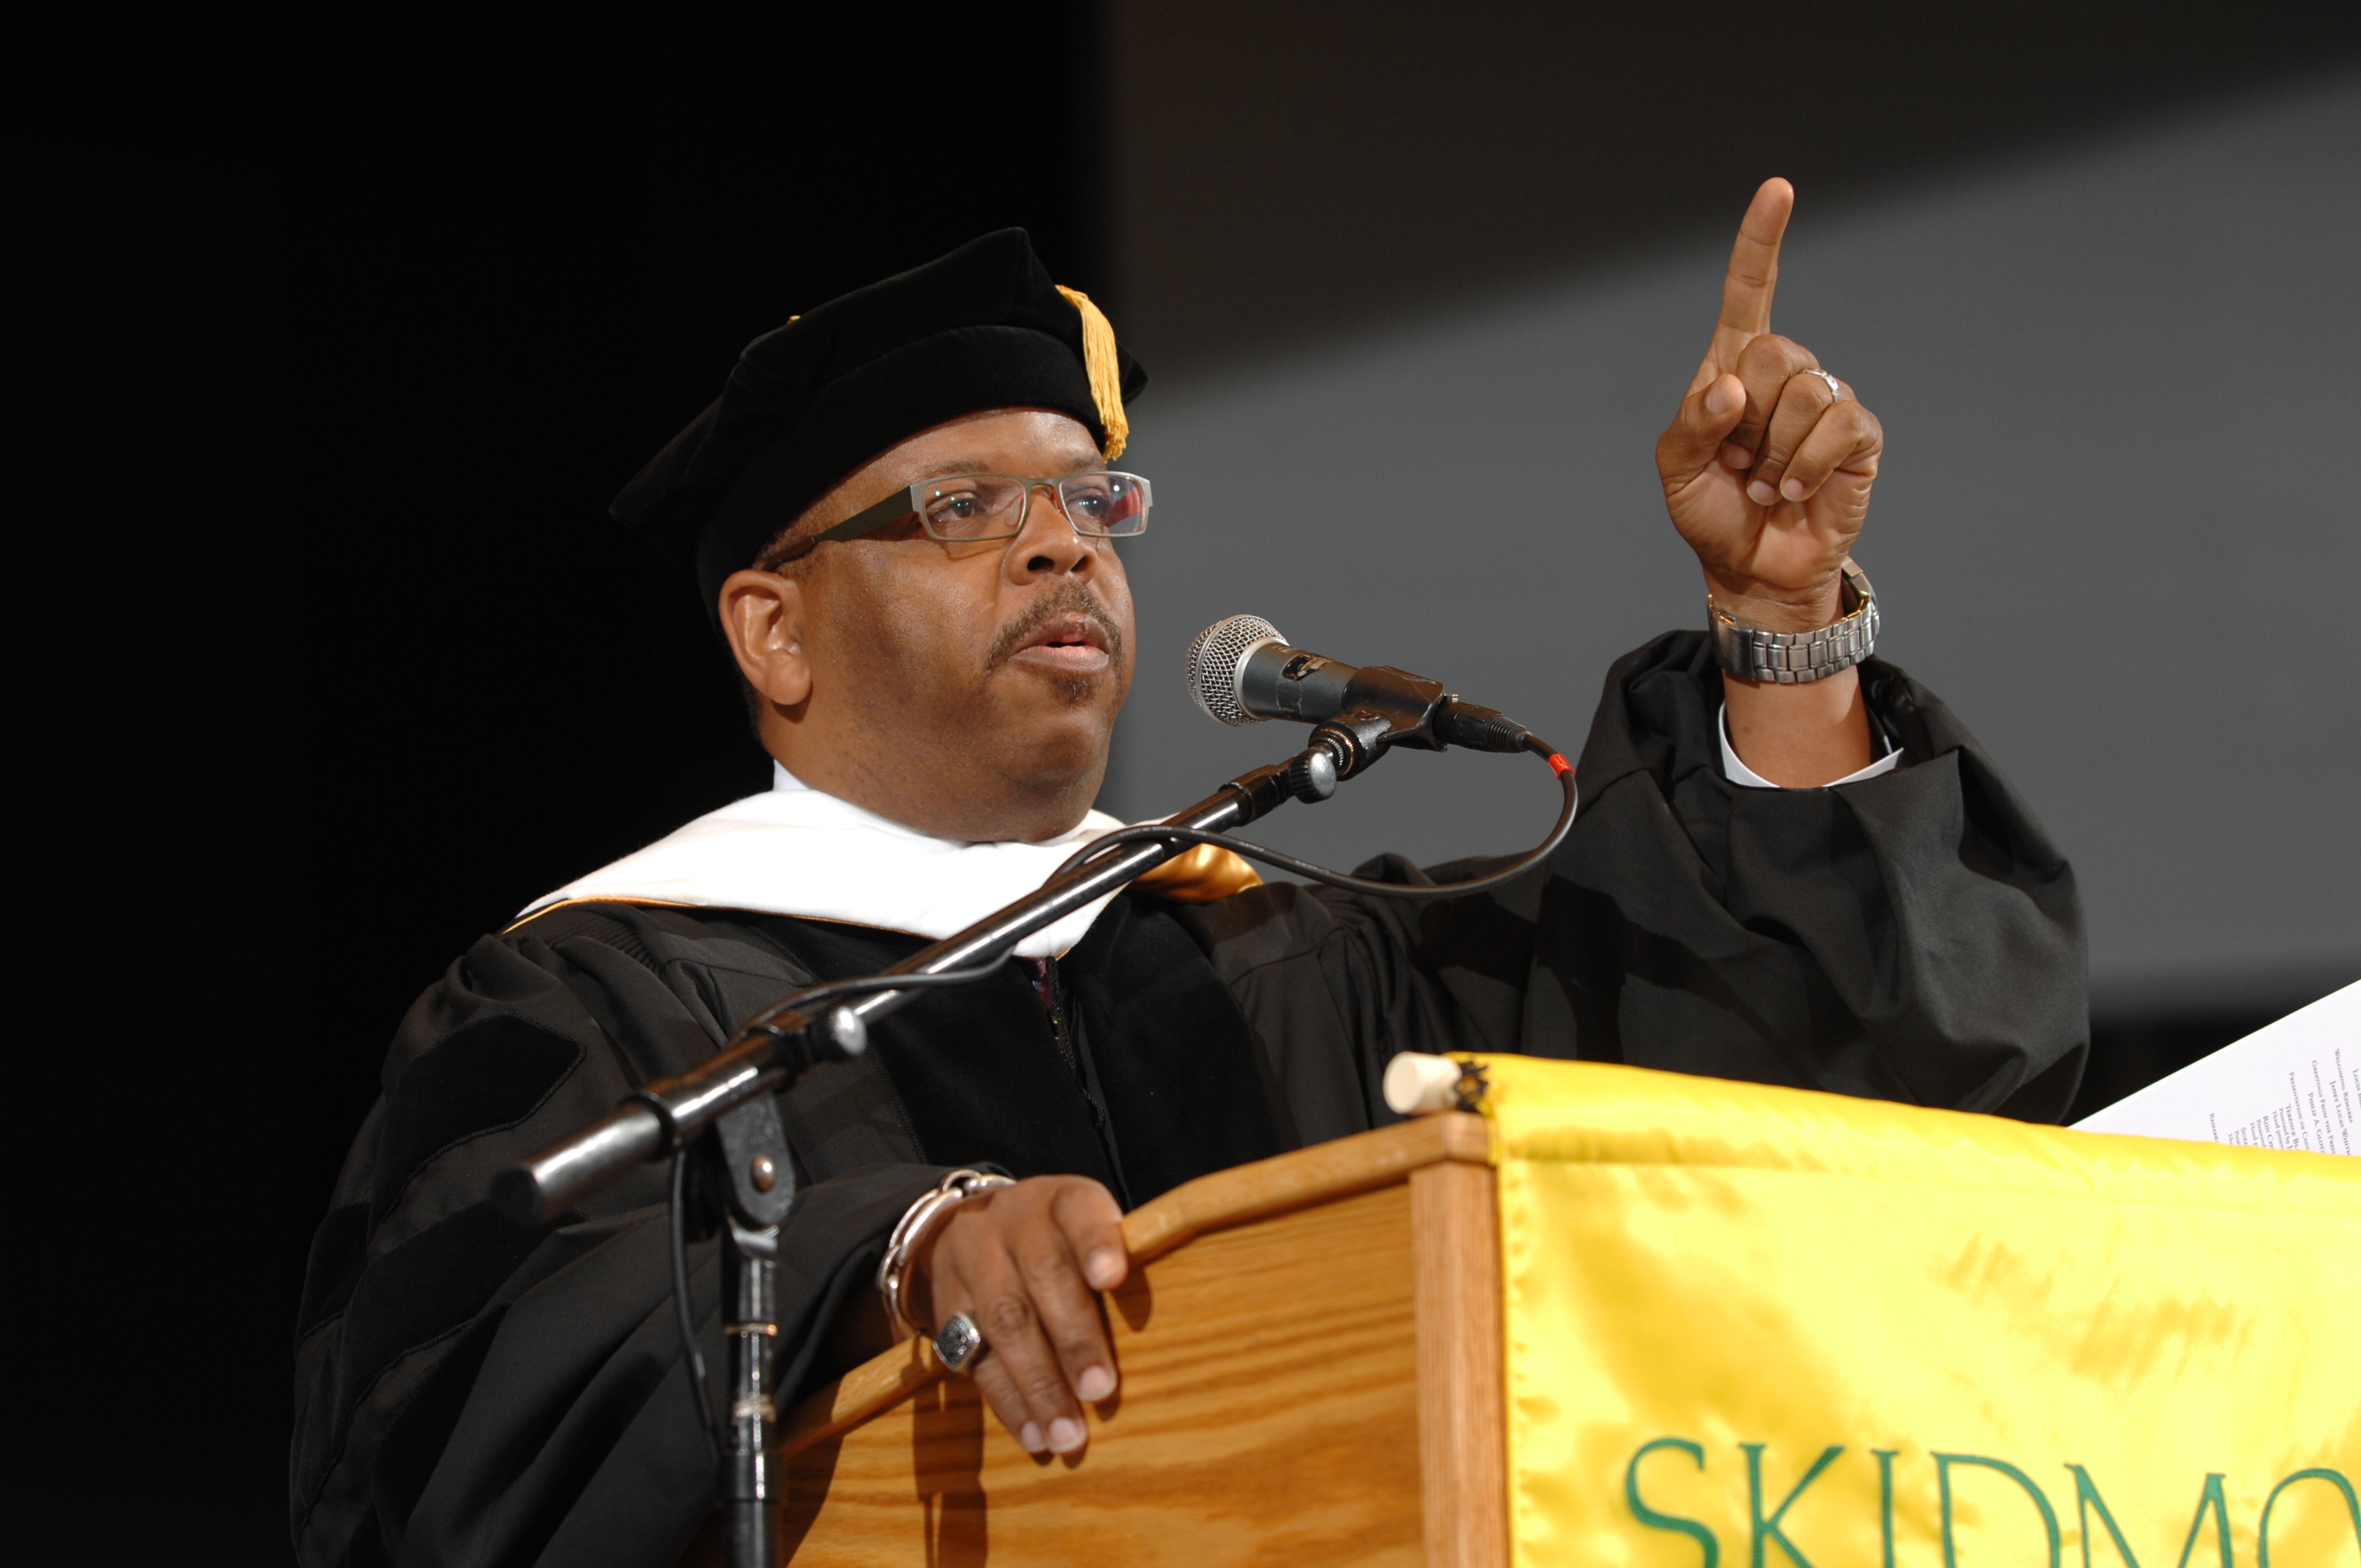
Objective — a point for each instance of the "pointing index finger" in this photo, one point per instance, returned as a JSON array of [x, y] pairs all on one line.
[[1754, 272]]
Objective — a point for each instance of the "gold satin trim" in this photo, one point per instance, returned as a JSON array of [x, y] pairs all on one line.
[[1105, 371], [524, 920], [1203, 875], [1748, 1326]]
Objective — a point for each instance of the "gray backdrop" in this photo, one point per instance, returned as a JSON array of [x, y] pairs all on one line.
[[2115, 527]]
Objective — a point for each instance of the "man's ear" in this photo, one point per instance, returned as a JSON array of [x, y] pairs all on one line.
[[762, 614]]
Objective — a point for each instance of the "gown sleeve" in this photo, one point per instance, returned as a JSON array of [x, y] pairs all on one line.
[[473, 1391], [1913, 937]]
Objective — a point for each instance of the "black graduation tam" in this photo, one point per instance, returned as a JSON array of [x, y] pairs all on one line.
[[981, 328]]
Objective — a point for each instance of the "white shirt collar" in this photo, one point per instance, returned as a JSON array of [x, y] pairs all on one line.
[[1735, 770]]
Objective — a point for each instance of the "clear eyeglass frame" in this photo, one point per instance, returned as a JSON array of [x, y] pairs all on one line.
[[964, 509]]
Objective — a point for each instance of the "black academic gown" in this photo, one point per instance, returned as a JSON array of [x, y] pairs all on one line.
[[472, 1391]]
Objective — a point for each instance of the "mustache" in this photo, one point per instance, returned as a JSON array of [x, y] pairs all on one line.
[[1067, 599]]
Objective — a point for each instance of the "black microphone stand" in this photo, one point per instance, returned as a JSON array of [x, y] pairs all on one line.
[[732, 1096]]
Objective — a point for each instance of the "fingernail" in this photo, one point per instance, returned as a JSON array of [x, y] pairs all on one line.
[[1029, 1439], [1761, 494], [1793, 489], [1103, 1269], [1066, 1435], [1736, 459], [1095, 1383], [1718, 400]]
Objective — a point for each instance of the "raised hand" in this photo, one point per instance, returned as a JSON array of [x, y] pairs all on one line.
[[1767, 467]]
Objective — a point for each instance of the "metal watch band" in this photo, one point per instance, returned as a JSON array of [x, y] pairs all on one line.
[[1791, 658]]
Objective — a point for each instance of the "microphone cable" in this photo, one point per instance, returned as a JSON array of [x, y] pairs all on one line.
[[864, 985], [684, 1317], [1152, 832]]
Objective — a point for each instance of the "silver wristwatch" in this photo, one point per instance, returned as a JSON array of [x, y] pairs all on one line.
[[1791, 658]]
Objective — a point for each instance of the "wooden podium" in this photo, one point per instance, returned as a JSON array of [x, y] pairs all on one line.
[[1311, 1362]]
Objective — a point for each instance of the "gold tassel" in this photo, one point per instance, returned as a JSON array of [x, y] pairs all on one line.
[[1106, 371]]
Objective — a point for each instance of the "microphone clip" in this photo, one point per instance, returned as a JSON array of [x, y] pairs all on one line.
[[1346, 745], [1352, 741], [1385, 706]]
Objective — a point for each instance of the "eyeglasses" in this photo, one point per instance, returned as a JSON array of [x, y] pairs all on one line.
[[963, 508]]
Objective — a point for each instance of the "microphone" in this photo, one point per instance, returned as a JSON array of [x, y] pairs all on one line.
[[1242, 671]]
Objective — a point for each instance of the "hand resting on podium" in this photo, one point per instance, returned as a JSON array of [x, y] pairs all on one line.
[[1025, 1263]]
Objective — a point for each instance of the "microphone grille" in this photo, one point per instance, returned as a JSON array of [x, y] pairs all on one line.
[[1213, 661]]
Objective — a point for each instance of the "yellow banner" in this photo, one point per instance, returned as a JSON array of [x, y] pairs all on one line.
[[1762, 1328]]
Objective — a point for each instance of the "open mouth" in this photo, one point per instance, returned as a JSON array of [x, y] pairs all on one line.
[[1067, 642]]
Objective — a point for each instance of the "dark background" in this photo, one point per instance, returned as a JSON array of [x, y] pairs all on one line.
[[342, 344]]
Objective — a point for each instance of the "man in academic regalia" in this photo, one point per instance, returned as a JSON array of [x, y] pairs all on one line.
[[902, 513]]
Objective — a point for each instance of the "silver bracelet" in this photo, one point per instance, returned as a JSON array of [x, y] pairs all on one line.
[[1791, 658], [916, 1219]]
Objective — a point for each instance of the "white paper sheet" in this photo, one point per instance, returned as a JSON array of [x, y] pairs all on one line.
[[2288, 1085]]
